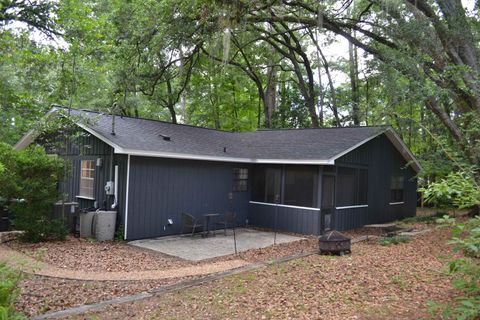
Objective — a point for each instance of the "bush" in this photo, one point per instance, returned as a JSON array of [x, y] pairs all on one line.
[[465, 271], [386, 241], [8, 293], [31, 177], [458, 189]]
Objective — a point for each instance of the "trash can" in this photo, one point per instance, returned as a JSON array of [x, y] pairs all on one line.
[[104, 225], [86, 221]]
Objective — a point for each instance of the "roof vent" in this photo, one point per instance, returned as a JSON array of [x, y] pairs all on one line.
[[164, 137]]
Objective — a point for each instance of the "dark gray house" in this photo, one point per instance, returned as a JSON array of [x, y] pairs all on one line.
[[315, 179]]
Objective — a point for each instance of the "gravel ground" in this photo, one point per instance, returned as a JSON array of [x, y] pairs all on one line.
[[374, 282]]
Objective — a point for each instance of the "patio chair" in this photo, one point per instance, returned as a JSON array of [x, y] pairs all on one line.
[[190, 221], [228, 219]]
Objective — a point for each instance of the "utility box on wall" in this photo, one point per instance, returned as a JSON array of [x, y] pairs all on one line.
[[110, 188]]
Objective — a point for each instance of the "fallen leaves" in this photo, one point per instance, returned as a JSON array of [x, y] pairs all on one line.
[[374, 282]]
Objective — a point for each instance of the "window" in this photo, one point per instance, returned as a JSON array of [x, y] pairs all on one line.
[[87, 177], [240, 179], [352, 186], [300, 186], [396, 189]]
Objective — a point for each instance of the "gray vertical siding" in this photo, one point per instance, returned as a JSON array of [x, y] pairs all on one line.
[[382, 161], [347, 219], [88, 147], [162, 189], [289, 219]]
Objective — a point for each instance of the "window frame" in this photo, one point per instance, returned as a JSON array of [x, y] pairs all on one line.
[[397, 187], [359, 199], [89, 177], [240, 179]]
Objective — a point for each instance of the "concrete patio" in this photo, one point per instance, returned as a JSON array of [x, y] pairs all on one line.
[[198, 248]]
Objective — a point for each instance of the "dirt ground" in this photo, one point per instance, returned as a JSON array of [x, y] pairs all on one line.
[[374, 282]]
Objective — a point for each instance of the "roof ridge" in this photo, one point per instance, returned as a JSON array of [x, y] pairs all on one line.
[[325, 128], [146, 119], [218, 130]]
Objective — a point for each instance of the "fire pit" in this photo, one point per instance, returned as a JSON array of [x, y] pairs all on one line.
[[334, 242]]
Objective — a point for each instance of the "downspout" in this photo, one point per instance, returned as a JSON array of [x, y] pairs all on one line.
[[126, 198]]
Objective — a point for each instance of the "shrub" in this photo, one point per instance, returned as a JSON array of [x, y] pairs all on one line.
[[31, 176], [386, 241], [8, 292], [465, 271], [458, 188]]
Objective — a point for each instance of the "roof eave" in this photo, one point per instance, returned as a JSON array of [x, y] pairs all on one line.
[[174, 155], [32, 134], [397, 143]]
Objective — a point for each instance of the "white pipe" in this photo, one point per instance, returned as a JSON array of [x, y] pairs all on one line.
[[115, 189]]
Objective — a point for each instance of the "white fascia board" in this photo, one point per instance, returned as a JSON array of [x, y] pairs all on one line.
[[341, 154], [31, 135], [99, 136], [403, 149], [397, 143], [173, 155]]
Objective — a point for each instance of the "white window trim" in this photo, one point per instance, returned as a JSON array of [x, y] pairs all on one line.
[[352, 207], [87, 178], [396, 203], [86, 198], [284, 205]]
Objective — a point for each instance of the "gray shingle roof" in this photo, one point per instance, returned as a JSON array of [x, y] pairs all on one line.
[[308, 146], [143, 135]]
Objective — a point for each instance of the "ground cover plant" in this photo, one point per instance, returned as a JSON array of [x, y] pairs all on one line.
[[9, 279], [465, 271]]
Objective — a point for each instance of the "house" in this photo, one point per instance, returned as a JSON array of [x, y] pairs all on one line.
[[311, 180]]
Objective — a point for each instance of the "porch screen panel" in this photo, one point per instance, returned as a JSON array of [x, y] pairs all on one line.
[[258, 185], [300, 186], [272, 184]]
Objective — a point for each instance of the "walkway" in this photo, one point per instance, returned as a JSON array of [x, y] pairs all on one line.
[[29, 265]]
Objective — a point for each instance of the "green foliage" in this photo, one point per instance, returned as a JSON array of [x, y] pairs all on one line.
[[424, 219], [386, 241], [458, 189], [465, 271], [31, 177], [9, 279], [119, 233]]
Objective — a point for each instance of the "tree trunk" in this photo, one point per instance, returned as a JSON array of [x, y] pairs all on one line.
[[270, 95], [353, 68]]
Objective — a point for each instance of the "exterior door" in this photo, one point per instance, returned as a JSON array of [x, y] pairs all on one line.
[[328, 202]]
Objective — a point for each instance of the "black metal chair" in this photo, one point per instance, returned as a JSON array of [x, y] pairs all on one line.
[[228, 219], [190, 221]]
